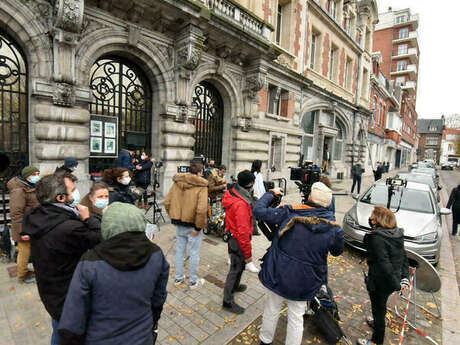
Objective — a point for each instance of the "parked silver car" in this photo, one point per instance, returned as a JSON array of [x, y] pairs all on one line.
[[416, 211], [423, 178]]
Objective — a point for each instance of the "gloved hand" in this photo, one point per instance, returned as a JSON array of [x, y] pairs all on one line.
[[252, 268]]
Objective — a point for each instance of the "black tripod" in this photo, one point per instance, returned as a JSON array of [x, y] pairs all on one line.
[[157, 212]]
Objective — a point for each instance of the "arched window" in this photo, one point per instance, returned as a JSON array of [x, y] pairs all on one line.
[[338, 149], [13, 104], [209, 122], [120, 90]]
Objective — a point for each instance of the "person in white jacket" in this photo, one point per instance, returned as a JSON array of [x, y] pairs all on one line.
[[259, 188]]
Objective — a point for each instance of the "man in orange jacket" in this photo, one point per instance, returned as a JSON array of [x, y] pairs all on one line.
[[238, 202]]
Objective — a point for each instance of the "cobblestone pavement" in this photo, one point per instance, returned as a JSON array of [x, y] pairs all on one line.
[[196, 317]]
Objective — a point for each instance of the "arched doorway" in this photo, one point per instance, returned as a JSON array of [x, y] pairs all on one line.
[[13, 104], [120, 90], [209, 122]]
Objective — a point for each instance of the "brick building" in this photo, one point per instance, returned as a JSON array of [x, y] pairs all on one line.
[[396, 38], [233, 80], [384, 129], [431, 132], [450, 143]]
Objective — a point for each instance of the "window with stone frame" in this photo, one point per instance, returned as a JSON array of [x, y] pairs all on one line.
[[432, 141], [314, 49], [401, 19], [402, 49], [277, 152], [333, 63], [284, 20], [338, 149], [347, 76], [400, 81], [308, 127], [274, 93], [365, 89], [284, 103]]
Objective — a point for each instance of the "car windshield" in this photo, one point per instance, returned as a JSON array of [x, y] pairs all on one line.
[[404, 198], [420, 178]]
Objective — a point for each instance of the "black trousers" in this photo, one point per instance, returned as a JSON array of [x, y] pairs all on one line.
[[237, 267], [356, 180], [379, 309]]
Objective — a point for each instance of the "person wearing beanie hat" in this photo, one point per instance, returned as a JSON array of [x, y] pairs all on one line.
[[119, 287], [295, 266], [238, 202], [23, 198], [70, 165]]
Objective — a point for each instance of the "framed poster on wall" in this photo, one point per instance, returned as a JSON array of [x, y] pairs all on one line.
[[103, 142]]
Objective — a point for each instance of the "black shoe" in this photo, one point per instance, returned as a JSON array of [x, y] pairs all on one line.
[[262, 343], [256, 233], [241, 288], [233, 308]]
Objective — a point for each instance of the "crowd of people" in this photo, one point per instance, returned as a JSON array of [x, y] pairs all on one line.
[[103, 282]]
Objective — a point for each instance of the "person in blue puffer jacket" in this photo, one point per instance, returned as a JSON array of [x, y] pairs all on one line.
[[295, 266]]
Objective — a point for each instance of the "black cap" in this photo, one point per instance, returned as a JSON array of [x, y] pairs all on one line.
[[246, 178]]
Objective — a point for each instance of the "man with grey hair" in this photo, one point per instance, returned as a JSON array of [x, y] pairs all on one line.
[[60, 231]]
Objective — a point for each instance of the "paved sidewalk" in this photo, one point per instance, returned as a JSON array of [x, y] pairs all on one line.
[[196, 317]]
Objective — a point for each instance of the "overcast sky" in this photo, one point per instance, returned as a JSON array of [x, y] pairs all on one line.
[[439, 76]]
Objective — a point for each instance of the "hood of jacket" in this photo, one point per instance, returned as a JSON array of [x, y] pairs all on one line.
[[389, 233], [19, 182], [188, 181], [127, 251], [314, 223], [45, 218], [237, 194]]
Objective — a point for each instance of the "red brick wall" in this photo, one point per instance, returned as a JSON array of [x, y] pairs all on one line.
[[342, 67], [263, 100], [383, 42], [297, 32], [326, 51], [267, 10], [291, 103], [392, 135]]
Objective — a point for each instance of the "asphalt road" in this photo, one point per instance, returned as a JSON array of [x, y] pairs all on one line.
[[450, 180]]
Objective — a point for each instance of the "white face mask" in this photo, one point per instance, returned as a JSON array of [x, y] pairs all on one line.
[[126, 181], [143, 157]]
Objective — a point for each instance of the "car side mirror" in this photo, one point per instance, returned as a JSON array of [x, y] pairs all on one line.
[[445, 211]]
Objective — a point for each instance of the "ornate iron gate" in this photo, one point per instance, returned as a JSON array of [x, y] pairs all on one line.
[[120, 89], [209, 122], [13, 104]]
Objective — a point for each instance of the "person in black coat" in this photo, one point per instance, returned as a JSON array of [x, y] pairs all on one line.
[[454, 204], [119, 180], [60, 232], [388, 268], [378, 172], [143, 176]]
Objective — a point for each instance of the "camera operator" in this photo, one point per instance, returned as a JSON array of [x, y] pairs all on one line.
[[295, 266]]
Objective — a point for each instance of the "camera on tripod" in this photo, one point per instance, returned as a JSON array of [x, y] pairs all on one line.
[[304, 177], [183, 169]]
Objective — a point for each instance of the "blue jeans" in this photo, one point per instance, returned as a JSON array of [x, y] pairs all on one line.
[[55, 335], [454, 227], [183, 236]]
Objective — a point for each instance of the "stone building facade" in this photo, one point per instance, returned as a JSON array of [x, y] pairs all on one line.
[[233, 80]]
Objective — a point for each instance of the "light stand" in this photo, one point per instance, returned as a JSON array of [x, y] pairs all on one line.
[[157, 212]]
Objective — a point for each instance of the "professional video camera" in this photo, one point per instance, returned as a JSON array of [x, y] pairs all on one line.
[[186, 168], [304, 176], [395, 184]]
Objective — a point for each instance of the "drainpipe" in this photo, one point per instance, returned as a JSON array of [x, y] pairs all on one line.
[[355, 113], [303, 62]]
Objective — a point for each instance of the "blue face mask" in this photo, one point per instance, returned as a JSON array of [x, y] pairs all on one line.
[[101, 203], [76, 198], [34, 179]]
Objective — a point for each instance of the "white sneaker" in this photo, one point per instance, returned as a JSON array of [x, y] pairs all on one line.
[[229, 262], [197, 284], [252, 268]]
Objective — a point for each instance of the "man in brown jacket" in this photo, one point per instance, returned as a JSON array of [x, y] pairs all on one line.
[[187, 206], [22, 200], [217, 183]]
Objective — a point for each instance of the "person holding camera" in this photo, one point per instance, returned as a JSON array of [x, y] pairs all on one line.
[[187, 206], [238, 202], [388, 268], [295, 266]]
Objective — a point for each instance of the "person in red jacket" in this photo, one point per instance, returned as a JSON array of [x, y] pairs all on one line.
[[238, 202]]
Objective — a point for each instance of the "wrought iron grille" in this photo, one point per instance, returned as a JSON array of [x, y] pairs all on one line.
[[209, 121], [13, 104], [120, 89]]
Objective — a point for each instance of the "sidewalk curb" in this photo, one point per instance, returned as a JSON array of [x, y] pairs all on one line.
[[450, 297]]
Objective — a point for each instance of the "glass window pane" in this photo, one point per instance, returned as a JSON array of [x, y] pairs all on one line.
[[307, 148], [308, 122], [338, 150]]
